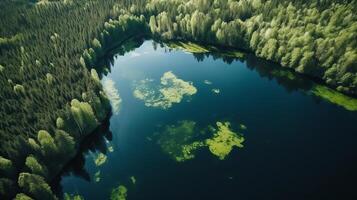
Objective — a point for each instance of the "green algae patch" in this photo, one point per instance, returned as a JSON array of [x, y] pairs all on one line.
[[133, 179], [171, 90], [97, 176], [111, 149], [223, 140], [180, 141], [100, 159], [119, 193], [335, 97], [188, 47]]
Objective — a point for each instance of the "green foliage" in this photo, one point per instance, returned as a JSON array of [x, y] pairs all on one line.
[[39, 57], [308, 36], [35, 167], [49, 78], [312, 37], [35, 185], [97, 46], [19, 89], [100, 104], [60, 123], [334, 97], [6, 167], [33, 145], [95, 76], [65, 144], [6, 187], [48, 146], [119, 193], [83, 115], [22, 196]]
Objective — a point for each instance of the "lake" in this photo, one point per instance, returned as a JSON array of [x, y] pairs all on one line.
[[210, 126]]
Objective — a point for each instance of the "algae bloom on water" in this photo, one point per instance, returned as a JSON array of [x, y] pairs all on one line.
[[119, 193], [97, 176], [223, 140], [170, 90], [100, 159], [335, 97], [180, 141], [133, 179]]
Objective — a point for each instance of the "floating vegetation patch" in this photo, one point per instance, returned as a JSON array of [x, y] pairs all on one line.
[[72, 197], [100, 159], [97, 176], [133, 179], [223, 141], [242, 127], [216, 91], [112, 93], [119, 193], [335, 97], [188, 47], [110, 149], [181, 141], [170, 90]]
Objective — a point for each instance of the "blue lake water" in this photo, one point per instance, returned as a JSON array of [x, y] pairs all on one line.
[[204, 127]]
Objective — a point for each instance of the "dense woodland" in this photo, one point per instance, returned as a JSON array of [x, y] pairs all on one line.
[[51, 96], [317, 38]]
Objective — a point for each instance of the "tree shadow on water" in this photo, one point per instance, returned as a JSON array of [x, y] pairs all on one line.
[[96, 142]]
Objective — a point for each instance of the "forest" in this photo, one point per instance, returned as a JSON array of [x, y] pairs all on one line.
[[51, 95], [317, 38]]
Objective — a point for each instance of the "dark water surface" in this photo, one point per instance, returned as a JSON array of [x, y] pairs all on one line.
[[179, 115]]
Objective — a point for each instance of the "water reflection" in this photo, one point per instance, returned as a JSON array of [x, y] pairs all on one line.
[[181, 140], [95, 143], [72, 197], [112, 93], [103, 66], [291, 81]]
